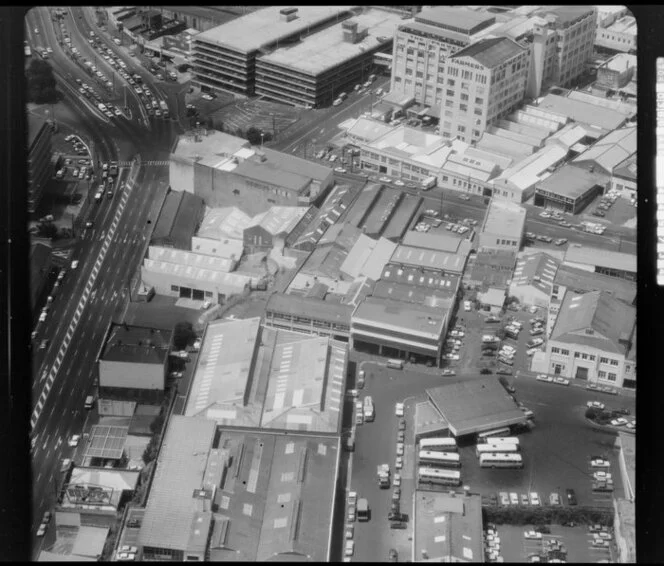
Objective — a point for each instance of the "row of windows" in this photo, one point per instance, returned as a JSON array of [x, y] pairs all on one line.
[[501, 242], [589, 357], [610, 376]]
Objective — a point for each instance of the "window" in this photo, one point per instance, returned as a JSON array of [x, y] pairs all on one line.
[[449, 103], [463, 107], [479, 100], [462, 129], [478, 111], [450, 92], [450, 82], [612, 376], [464, 97], [584, 356], [564, 352], [591, 357], [614, 362], [175, 288], [577, 354], [208, 294], [601, 374], [604, 360], [555, 350], [476, 133]]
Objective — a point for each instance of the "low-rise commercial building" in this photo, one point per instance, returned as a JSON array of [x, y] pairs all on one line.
[[133, 362], [315, 70], [603, 157], [213, 495], [569, 189], [178, 219], [225, 170], [618, 36], [599, 260], [273, 227], [593, 340], [617, 71], [601, 119], [308, 315], [624, 177], [449, 527], [40, 169], [490, 267], [532, 282], [503, 226], [367, 258], [399, 330]]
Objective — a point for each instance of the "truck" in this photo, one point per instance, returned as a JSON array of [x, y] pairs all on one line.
[[369, 412], [164, 108], [362, 509], [383, 472]]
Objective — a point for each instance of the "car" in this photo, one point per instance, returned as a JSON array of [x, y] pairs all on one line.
[[401, 436], [41, 531], [619, 422], [396, 494], [534, 498], [46, 519], [350, 532], [603, 534], [351, 514], [621, 411], [457, 333], [600, 543], [545, 214], [452, 357], [399, 409], [349, 548], [42, 317], [504, 371], [448, 372], [554, 499], [396, 480], [44, 344], [402, 424], [561, 381], [535, 342], [206, 96], [467, 306], [354, 393], [595, 405], [504, 498], [571, 497], [560, 241], [528, 413], [127, 548], [524, 499], [464, 197], [398, 463], [432, 213], [492, 319], [532, 535], [514, 498], [74, 440], [532, 351], [602, 475], [599, 463], [631, 425]]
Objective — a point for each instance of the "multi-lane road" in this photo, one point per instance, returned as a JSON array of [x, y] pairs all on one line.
[[95, 292]]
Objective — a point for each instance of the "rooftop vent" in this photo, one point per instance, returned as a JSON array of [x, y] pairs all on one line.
[[288, 14]]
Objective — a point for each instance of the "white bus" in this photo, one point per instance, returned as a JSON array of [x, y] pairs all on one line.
[[429, 183], [501, 440], [369, 412], [440, 444], [438, 476], [491, 448], [444, 459], [496, 460], [495, 432]]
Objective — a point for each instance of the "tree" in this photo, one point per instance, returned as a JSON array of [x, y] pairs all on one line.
[[41, 82], [183, 334], [254, 135], [155, 425]]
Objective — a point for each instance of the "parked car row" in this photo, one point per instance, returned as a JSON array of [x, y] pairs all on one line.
[[492, 544], [547, 378]]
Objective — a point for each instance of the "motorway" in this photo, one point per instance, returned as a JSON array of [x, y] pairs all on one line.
[[95, 293]]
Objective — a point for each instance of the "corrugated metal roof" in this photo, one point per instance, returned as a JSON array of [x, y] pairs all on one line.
[[221, 222], [538, 270], [611, 150], [601, 257], [325, 311], [428, 259], [583, 112]]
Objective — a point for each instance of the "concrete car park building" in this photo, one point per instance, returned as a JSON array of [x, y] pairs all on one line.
[[593, 339], [225, 170], [315, 70], [40, 168], [225, 57]]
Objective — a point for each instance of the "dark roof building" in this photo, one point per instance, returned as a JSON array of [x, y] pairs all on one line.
[[570, 189], [135, 344], [491, 52], [491, 268], [180, 216], [476, 405]]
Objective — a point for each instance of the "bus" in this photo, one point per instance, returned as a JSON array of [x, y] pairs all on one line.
[[439, 444], [369, 412], [495, 432], [395, 364], [441, 477], [491, 448], [429, 183], [444, 459], [501, 440], [497, 460]]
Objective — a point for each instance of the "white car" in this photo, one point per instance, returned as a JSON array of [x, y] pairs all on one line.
[[399, 183], [400, 448], [399, 409], [631, 425], [619, 421], [534, 498], [74, 440], [544, 377], [452, 357], [41, 531], [398, 463], [42, 317], [66, 464], [396, 480], [206, 96], [602, 475], [504, 498], [561, 381], [354, 393], [599, 463], [467, 306], [532, 351], [595, 405], [457, 333], [508, 349], [74, 264], [532, 535], [536, 342], [448, 372], [350, 548], [514, 498], [544, 215]]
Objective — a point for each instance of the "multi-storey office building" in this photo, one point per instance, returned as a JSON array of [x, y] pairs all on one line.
[[224, 57], [313, 71], [483, 82], [39, 159], [422, 46]]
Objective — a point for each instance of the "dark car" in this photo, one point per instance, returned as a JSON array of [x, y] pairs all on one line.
[[395, 508], [394, 555], [621, 411], [504, 372], [402, 424], [485, 371], [488, 353], [398, 525], [571, 497]]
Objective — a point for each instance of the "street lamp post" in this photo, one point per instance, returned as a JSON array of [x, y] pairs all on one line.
[[262, 136]]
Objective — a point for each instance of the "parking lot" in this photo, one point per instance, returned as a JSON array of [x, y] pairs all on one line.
[[577, 542]]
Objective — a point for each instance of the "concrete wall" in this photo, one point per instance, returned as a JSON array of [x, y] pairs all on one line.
[[131, 375], [181, 174]]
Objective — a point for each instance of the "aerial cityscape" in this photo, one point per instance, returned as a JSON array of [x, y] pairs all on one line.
[[332, 283]]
